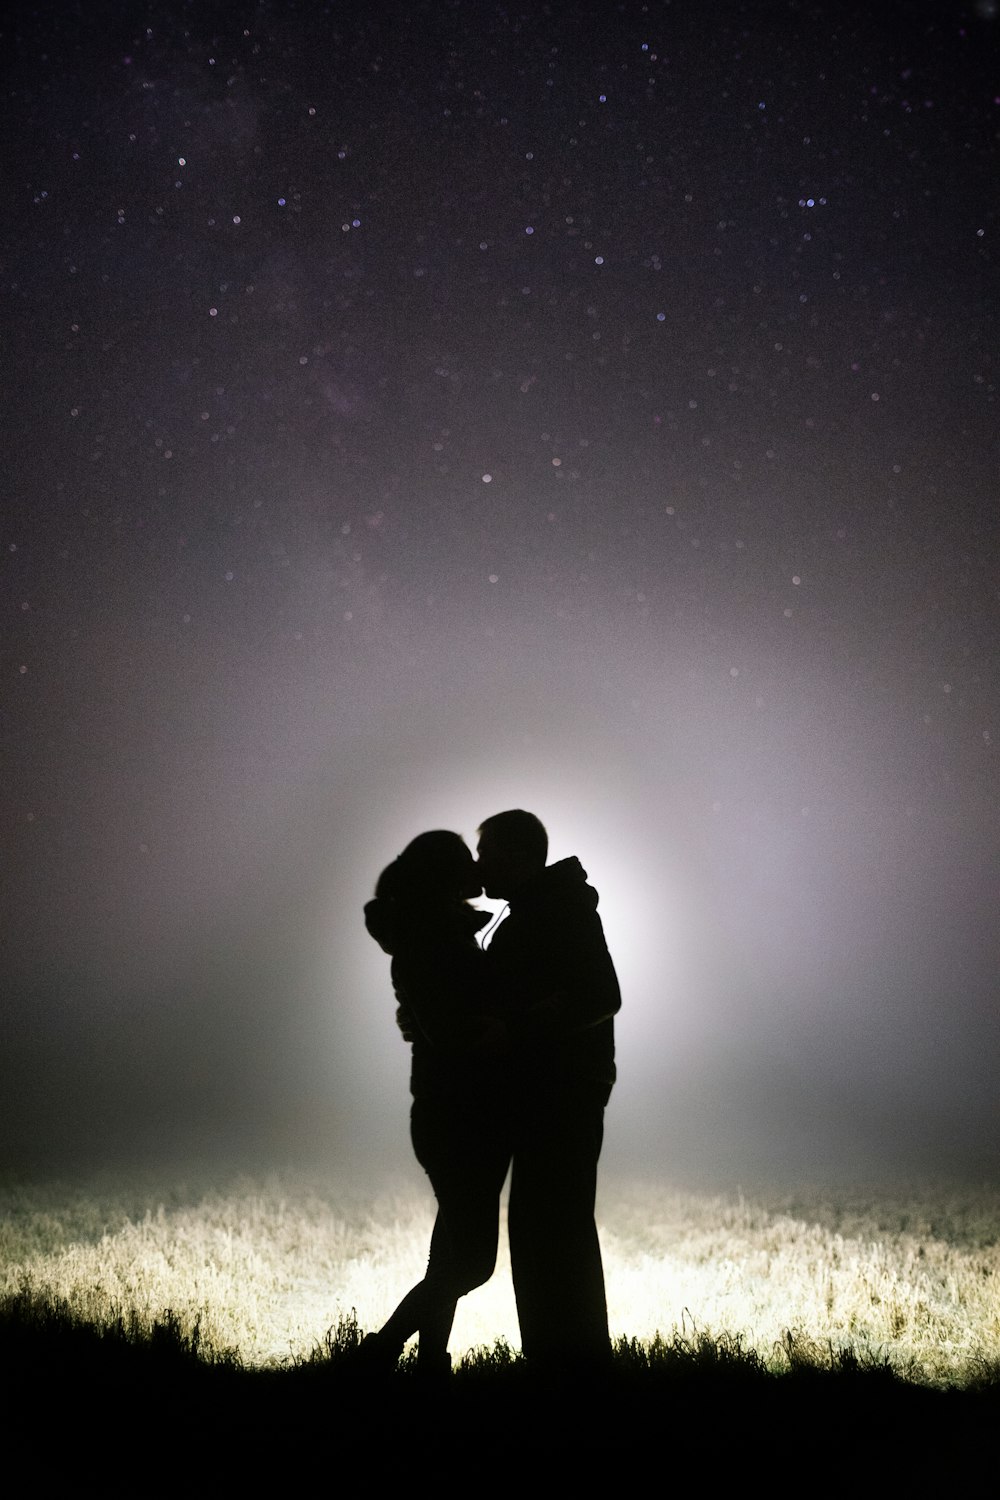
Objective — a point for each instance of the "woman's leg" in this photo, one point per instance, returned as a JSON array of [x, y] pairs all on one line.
[[466, 1156], [442, 1297], [428, 1307]]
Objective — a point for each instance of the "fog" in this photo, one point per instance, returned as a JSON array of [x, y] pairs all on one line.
[[633, 461], [806, 963]]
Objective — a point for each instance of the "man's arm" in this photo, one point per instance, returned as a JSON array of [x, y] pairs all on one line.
[[585, 990]]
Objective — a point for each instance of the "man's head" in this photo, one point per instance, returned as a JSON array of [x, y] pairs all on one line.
[[513, 847]]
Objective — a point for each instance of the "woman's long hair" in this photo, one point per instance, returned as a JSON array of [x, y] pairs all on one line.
[[432, 866]]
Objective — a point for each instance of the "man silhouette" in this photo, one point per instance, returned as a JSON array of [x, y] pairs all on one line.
[[556, 989]]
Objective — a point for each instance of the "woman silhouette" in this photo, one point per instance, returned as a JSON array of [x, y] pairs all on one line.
[[421, 916]]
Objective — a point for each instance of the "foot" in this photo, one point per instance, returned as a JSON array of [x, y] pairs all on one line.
[[376, 1355], [433, 1368]]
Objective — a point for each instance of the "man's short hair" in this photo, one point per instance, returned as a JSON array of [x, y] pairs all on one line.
[[518, 832]]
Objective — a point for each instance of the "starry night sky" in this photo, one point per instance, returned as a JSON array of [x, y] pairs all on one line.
[[418, 410]]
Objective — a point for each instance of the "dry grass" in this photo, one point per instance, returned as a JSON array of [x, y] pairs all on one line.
[[267, 1267], [914, 1278]]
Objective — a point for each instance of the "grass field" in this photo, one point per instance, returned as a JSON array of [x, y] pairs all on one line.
[[264, 1268]]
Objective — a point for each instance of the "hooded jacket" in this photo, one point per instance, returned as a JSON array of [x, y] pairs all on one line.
[[553, 978], [440, 979]]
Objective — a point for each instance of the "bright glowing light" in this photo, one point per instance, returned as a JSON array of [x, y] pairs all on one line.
[[641, 902], [644, 906]]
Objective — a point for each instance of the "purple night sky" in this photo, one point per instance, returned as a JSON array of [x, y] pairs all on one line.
[[418, 410]]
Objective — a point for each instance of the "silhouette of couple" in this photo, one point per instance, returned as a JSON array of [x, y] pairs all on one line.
[[513, 1063]]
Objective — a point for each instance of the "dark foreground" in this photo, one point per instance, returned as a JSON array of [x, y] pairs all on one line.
[[128, 1408]]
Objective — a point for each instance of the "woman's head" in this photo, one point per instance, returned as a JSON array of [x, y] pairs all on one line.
[[432, 866]]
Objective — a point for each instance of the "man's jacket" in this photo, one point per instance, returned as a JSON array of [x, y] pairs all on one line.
[[553, 980]]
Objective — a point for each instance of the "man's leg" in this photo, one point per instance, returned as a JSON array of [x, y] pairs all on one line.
[[554, 1250]]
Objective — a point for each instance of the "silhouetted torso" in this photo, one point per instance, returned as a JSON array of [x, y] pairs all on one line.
[[554, 978], [440, 979]]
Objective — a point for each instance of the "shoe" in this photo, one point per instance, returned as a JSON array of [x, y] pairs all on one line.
[[433, 1369], [375, 1356]]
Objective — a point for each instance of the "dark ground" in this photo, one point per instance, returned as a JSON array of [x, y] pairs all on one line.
[[126, 1408]]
